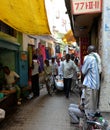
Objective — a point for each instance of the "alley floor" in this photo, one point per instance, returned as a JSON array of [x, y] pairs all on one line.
[[42, 113]]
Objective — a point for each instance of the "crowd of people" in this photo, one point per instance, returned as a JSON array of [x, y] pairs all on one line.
[[90, 70], [67, 66], [64, 67]]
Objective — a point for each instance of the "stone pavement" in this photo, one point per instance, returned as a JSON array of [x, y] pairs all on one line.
[[42, 113]]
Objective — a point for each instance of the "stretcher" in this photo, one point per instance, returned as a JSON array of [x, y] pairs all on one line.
[[59, 83]]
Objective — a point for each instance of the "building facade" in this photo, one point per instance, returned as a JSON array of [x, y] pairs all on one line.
[[90, 21]]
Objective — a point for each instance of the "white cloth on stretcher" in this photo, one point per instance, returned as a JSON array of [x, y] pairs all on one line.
[[59, 85]]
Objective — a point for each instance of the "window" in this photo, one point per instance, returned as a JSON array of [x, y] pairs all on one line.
[[7, 29]]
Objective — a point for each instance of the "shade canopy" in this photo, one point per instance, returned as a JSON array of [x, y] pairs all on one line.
[[27, 16], [69, 37]]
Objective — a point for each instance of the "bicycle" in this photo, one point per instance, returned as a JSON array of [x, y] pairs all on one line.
[[95, 121], [75, 87]]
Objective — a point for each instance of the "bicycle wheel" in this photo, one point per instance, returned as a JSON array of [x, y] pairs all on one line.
[[85, 127], [51, 89], [89, 127]]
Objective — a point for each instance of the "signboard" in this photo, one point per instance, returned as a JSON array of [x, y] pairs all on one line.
[[57, 49], [84, 43], [86, 6]]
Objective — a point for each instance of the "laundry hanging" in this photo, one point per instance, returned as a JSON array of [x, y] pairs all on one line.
[[27, 16]]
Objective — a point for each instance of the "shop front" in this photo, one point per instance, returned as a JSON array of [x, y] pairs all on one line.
[[91, 19], [11, 56]]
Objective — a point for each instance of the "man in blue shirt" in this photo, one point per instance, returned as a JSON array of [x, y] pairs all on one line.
[[91, 80]]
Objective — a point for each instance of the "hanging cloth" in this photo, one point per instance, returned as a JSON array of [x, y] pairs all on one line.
[[27, 16]]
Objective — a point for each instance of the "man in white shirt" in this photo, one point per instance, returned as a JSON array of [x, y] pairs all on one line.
[[35, 76], [68, 67]]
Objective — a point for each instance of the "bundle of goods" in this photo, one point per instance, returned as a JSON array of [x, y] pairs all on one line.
[[59, 82]]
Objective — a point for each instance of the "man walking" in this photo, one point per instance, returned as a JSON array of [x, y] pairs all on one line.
[[35, 76], [68, 67]]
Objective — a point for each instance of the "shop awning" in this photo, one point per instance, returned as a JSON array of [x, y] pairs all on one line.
[[69, 37], [27, 16]]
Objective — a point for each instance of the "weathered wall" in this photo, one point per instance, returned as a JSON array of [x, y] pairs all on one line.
[[7, 58], [105, 49]]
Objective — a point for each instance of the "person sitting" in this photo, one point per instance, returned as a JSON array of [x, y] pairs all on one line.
[[77, 111], [11, 78]]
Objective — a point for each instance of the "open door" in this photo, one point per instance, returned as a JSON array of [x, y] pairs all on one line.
[[23, 68]]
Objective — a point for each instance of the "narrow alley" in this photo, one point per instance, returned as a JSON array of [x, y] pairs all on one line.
[[42, 113]]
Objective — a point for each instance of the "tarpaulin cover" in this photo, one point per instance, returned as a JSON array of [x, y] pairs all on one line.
[[69, 37], [27, 16]]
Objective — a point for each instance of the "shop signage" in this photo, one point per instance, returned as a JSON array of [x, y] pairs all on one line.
[[86, 6], [84, 43], [57, 49], [23, 56]]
